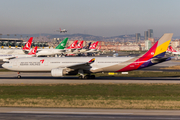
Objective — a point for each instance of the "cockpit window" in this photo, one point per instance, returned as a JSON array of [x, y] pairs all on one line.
[[7, 62]]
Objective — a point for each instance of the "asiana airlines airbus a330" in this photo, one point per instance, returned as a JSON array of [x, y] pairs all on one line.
[[84, 66]]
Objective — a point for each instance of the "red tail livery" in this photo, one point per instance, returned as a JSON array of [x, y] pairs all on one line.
[[93, 46], [33, 51], [73, 45], [80, 45], [28, 44]]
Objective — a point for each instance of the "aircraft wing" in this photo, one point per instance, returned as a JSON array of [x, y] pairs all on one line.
[[81, 65], [7, 59]]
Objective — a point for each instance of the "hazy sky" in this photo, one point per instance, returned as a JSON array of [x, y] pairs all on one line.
[[95, 17]]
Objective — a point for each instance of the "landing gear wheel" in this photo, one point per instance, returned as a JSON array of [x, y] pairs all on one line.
[[18, 76], [93, 76], [80, 77], [87, 77]]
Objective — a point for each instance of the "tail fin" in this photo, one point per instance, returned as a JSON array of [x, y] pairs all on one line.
[[168, 50], [33, 51], [99, 48], [62, 45], [93, 46], [27, 46], [172, 50], [153, 56], [158, 50], [87, 46], [90, 47], [73, 45], [80, 45]]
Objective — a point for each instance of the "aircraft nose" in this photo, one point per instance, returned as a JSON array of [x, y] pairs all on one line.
[[4, 65]]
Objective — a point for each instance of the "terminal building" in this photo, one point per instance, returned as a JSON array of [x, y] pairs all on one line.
[[18, 43]]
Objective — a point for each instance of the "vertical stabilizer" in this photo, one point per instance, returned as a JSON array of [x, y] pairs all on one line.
[[93, 46], [80, 45], [172, 50], [28, 44], [33, 51], [73, 45], [153, 56], [62, 45]]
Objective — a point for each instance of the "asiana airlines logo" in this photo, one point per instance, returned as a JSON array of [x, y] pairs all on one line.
[[42, 61], [152, 53]]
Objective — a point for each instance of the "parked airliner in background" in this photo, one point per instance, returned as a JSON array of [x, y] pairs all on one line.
[[97, 50], [58, 50], [174, 52], [32, 53], [92, 48], [76, 50], [93, 51], [85, 48], [59, 66], [168, 50], [79, 45], [24, 50], [73, 45]]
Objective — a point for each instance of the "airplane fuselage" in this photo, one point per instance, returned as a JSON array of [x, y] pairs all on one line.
[[44, 64], [50, 52], [12, 51]]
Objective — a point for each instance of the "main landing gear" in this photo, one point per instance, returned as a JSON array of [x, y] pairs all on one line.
[[18, 76], [87, 77], [82, 76]]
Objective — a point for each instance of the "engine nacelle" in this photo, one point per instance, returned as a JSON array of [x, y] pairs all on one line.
[[57, 72]]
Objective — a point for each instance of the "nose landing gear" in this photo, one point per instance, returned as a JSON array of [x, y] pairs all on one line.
[[18, 76]]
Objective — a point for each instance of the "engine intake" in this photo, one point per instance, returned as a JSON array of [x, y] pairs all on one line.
[[58, 72]]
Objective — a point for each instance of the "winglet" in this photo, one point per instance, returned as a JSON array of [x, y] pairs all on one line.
[[92, 60]]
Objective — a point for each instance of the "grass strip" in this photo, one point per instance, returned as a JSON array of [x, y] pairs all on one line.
[[176, 67], [142, 74], [141, 96]]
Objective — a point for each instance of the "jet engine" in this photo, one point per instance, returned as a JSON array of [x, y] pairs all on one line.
[[59, 72]]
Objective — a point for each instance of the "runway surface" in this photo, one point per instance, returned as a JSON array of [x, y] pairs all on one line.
[[8, 113], [46, 78]]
